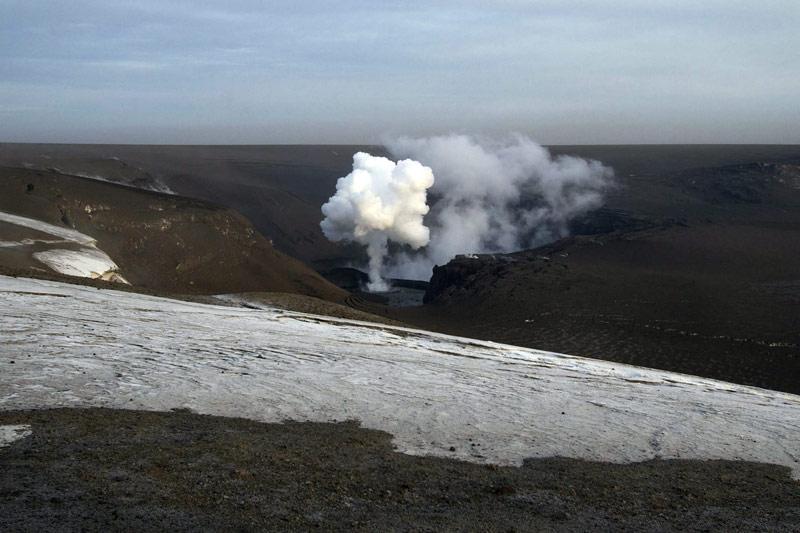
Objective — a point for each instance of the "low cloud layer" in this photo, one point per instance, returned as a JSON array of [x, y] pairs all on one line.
[[251, 72]]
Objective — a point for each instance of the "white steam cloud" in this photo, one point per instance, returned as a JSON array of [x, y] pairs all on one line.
[[496, 196], [378, 201], [489, 196]]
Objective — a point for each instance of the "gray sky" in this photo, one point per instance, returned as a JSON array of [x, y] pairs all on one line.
[[344, 71]]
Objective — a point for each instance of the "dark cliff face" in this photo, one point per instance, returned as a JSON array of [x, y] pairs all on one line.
[[464, 276]]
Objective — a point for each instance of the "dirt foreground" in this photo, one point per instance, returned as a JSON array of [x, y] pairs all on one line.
[[107, 470]]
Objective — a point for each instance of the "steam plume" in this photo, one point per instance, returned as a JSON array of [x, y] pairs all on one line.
[[489, 196], [496, 196], [378, 201]]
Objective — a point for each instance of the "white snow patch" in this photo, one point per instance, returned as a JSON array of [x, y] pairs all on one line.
[[86, 263], [9, 434], [155, 185], [27, 242], [92, 347], [67, 234]]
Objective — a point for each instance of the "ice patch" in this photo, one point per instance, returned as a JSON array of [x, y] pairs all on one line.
[[69, 235], [85, 263], [103, 348], [155, 185], [26, 242], [9, 434]]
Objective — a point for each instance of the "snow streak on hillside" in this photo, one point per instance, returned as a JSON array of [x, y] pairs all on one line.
[[76, 346], [84, 259]]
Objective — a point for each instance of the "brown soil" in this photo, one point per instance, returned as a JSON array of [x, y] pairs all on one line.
[[280, 189], [161, 242]]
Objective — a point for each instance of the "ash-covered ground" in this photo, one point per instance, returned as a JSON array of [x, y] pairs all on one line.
[[112, 470], [469, 413]]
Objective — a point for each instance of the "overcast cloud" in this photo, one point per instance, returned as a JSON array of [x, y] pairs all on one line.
[[355, 71]]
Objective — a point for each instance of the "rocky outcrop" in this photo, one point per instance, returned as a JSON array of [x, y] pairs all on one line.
[[464, 276]]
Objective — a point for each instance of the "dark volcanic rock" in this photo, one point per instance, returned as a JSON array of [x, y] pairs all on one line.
[[353, 280], [349, 279], [459, 277], [751, 183], [607, 220]]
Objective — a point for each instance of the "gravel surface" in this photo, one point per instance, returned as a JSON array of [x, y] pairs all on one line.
[[111, 470]]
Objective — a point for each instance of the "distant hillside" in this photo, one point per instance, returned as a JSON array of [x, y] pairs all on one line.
[[159, 241], [698, 272], [280, 188]]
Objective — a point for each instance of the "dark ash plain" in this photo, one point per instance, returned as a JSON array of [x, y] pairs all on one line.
[[110, 470]]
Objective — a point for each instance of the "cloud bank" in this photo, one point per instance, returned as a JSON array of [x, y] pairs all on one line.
[[197, 71]]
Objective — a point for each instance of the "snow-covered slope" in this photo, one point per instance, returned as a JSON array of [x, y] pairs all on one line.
[[79, 346]]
